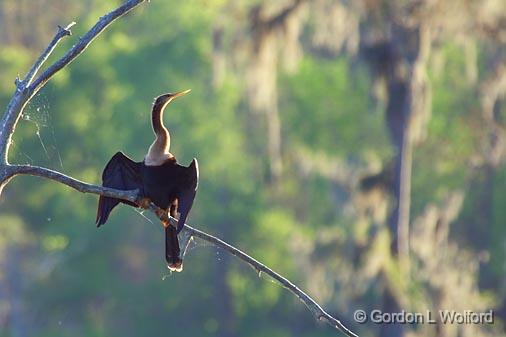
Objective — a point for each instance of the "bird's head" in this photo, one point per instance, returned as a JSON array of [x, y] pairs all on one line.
[[162, 100]]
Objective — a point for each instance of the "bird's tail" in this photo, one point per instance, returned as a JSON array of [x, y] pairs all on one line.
[[172, 252]]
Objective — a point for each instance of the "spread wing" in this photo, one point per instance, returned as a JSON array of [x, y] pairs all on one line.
[[121, 173], [187, 194]]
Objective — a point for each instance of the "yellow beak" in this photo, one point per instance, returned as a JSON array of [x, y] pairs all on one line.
[[181, 93]]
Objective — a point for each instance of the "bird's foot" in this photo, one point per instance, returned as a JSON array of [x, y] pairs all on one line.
[[165, 223], [163, 216], [176, 266], [144, 203]]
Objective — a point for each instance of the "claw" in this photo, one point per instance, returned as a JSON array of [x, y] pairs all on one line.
[[165, 223], [163, 216], [144, 203]]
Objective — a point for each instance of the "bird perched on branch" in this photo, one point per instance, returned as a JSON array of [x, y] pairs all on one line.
[[159, 179]]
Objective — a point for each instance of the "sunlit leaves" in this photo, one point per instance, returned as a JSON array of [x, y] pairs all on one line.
[[325, 96]]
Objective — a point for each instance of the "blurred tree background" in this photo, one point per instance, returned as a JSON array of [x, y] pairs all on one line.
[[357, 147]]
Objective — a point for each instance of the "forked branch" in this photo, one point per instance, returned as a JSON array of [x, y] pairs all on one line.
[[29, 86], [60, 34]]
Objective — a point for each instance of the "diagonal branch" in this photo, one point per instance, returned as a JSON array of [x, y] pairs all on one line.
[[60, 34], [83, 187], [26, 89], [84, 42], [311, 304]]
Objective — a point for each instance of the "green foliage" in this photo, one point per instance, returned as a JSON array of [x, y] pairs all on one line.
[[325, 96], [82, 281]]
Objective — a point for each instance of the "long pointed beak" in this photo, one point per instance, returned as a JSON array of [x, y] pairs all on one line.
[[168, 97], [181, 93], [171, 96]]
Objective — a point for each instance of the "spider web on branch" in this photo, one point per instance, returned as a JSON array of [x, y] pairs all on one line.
[[38, 114]]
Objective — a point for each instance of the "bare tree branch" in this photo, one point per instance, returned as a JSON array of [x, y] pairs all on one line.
[[60, 34], [84, 42], [311, 304], [23, 94], [27, 88], [80, 186]]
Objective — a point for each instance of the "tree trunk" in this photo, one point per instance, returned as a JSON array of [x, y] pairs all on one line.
[[404, 56]]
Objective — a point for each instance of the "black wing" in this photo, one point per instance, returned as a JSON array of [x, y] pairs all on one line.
[[121, 173], [187, 194]]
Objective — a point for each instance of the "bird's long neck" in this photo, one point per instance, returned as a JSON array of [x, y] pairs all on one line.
[[161, 132], [159, 150]]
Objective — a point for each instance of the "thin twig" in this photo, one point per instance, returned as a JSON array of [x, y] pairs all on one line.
[[60, 34], [84, 42], [27, 88], [311, 304]]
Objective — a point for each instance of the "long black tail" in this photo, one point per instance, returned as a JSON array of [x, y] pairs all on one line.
[[172, 251]]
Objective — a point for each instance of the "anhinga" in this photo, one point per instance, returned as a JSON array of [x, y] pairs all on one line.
[[159, 179]]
